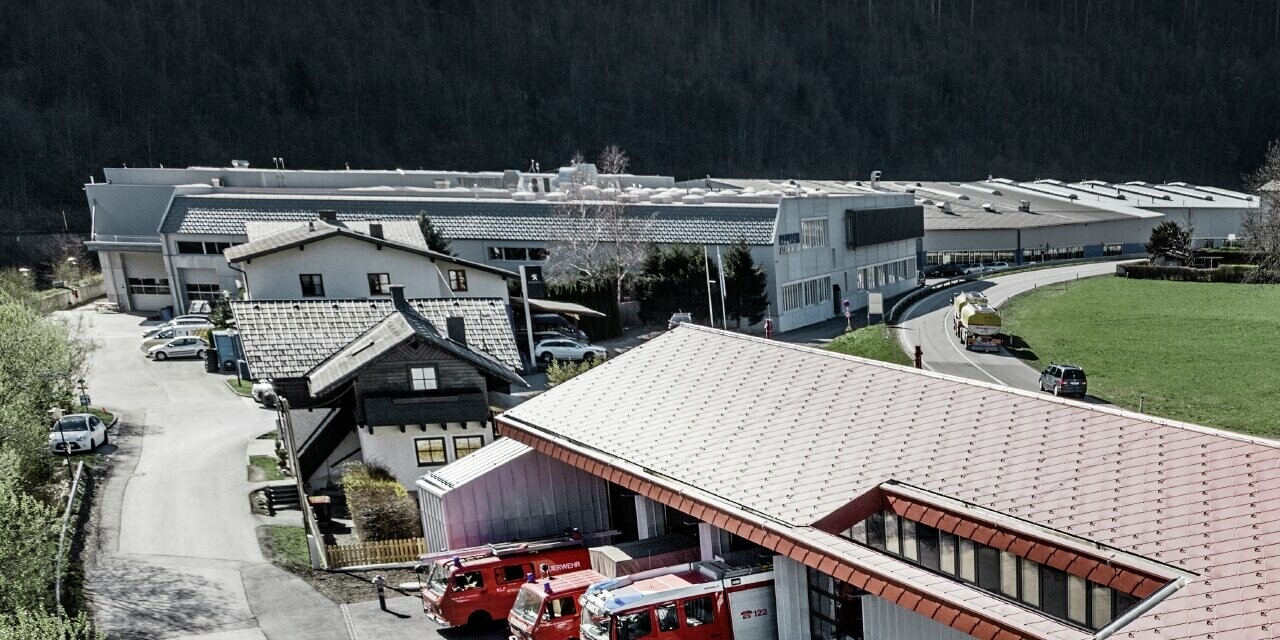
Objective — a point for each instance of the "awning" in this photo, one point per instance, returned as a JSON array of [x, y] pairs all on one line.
[[555, 306]]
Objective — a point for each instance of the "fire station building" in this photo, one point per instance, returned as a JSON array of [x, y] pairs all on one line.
[[906, 504]]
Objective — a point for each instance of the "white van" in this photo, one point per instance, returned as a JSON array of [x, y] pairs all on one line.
[[166, 334], [180, 321]]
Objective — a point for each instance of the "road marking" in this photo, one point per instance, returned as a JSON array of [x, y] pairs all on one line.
[[946, 324], [351, 625]]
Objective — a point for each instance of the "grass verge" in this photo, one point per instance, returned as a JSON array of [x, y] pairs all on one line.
[[1192, 351], [875, 342], [287, 546], [270, 467], [105, 416], [240, 387]]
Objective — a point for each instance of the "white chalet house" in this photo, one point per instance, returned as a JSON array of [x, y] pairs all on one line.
[[325, 258]]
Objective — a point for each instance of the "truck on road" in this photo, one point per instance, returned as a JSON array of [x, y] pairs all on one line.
[[976, 323], [730, 599]]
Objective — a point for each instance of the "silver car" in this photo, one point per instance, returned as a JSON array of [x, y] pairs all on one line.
[[77, 433], [187, 347], [566, 349]]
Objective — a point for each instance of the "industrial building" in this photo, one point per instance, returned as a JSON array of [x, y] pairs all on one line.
[[1003, 220], [906, 504], [817, 248]]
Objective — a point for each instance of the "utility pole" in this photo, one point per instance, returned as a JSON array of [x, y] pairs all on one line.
[[724, 315], [528, 319], [711, 309]]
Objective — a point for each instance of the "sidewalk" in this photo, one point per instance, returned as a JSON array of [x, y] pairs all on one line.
[[404, 620]]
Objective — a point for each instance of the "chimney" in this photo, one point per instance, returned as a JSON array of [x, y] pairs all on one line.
[[375, 230], [397, 297], [457, 328], [328, 215]]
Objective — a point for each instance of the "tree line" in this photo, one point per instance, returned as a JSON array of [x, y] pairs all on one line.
[[925, 89]]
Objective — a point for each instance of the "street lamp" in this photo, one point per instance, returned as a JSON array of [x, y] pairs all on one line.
[[57, 413]]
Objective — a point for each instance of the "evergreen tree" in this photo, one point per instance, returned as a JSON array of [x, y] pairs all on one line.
[[745, 285], [435, 240], [672, 279], [1169, 242]]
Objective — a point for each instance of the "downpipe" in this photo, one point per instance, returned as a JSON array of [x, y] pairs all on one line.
[[1142, 607]]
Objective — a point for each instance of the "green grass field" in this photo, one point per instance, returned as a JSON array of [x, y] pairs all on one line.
[[241, 387], [270, 468], [1198, 352], [875, 342]]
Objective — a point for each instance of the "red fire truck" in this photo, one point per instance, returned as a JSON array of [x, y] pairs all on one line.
[[547, 608], [478, 584], [709, 600]]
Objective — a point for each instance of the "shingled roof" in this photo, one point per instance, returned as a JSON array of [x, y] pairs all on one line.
[[491, 219], [777, 437], [287, 338]]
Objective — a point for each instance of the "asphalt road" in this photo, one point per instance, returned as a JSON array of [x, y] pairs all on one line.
[[928, 323]]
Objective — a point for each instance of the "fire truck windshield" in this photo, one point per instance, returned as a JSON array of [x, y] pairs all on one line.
[[595, 623], [439, 579], [527, 605]]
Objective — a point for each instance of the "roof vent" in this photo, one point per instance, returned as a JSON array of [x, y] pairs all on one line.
[[375, 230], [240, 164], [442, 184], [327, 215], [1024, 206], [987, 206]]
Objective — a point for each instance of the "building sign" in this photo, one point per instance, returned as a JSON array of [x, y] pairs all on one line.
[[533, 281], [788, 242]]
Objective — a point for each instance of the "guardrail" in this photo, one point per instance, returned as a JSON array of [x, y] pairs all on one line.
[[905, 301], [62, 538]]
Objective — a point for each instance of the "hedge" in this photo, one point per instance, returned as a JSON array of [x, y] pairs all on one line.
[[1226, 273], [599, 294], [380, 507]]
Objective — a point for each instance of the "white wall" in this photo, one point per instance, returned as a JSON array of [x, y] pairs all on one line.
[[396, 451], [344, 264], [140, 265], [791, 588], [883, 620]]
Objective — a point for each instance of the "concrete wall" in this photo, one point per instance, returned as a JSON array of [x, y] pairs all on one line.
[[140, 265], [345, 264], [397, 452], [883, 620], [203, 268]]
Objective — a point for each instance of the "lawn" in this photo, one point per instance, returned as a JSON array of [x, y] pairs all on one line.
[[288, 546], [875, 342], [269, 465], [241, 387], [1199, 352]]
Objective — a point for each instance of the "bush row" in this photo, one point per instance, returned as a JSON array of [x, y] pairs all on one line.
[[1226, 273]]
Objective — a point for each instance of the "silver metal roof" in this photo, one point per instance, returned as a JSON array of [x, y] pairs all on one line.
[[476, 465]]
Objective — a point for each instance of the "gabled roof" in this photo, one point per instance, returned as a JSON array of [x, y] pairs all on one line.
[[464, 218], [475, 465], [287, 338], [403, 324], [781, 436], [318, 230], [402, 231]]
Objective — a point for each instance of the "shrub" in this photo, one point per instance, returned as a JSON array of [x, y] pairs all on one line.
[[38, 625], [380, 507], [561, 371]]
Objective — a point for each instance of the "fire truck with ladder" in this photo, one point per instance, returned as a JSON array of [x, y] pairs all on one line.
[[730, 598], [478, 584]]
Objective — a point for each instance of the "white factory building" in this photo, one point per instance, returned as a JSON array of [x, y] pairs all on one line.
[[162, 233]]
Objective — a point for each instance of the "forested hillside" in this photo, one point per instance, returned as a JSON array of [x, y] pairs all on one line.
[[1134, 89]]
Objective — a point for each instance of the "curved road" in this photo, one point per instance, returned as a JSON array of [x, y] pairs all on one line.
[[928, 323]]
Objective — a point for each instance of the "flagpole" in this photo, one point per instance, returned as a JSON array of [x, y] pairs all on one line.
[[724, 315], [711, 309]]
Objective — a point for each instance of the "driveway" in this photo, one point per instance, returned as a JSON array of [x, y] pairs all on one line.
[[928, 323], [176, 552]]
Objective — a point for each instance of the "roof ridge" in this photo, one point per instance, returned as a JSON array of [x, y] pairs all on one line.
[[1110, 409]]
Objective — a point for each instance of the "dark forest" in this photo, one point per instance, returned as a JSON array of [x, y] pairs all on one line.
[[1073, 89]]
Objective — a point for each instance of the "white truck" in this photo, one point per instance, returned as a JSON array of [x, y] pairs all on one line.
[[977, 324]]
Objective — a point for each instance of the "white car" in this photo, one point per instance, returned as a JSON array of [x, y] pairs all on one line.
[[76, 433], [566, 349], [178, 348], [976, 268], [180, 321], [263, 393]]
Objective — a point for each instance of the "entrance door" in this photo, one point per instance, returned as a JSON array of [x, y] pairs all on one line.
[[622, 513], [836, 302]]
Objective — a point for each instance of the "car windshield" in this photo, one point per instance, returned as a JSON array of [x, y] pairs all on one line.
[[527, 605], [71, 423], [439, 579], [595, 624], [1072, 374]]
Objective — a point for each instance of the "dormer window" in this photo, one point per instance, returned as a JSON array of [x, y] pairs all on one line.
[[423, 378]]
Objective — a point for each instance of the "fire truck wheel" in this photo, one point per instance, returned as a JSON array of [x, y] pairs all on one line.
[[479, 619]]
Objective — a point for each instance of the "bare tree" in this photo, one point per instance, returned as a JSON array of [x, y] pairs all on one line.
[[613, 160], [1260, 228], [596, 239]]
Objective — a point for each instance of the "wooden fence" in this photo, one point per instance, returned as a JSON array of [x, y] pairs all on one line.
[[369, 553]]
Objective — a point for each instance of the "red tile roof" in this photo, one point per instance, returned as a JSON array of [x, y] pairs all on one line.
[[787, 435]]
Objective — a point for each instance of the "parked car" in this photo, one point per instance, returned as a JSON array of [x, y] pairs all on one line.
[[263, 393], [678, 319], [180, 321], [996, 266], [189, 346], [166, 335], [1064, 379], [566, 349], [976, 268], [76, 433], [949, 270]]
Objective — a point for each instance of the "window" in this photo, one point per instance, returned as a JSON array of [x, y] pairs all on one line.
[[1053, 592], [634, 625], [468, 581], [1100, 614], [1030, 582], [379, 284], [466, 445], [909, 550], [537, 254], [1077, 603], [813, 233], [806, 293], [968, 560], [891, 540], [423, 378], [875, 531], [457, 280], [698, 611], [312, 285], [215, 248], [430, 451], [667, 618], [201, 248], [149, 286], [988, 568], [929, 556], [561, 607], [514, 572], [515, 253], [197, 291], [191, 247], [1008, 574], [946, 552], [495, 253]]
